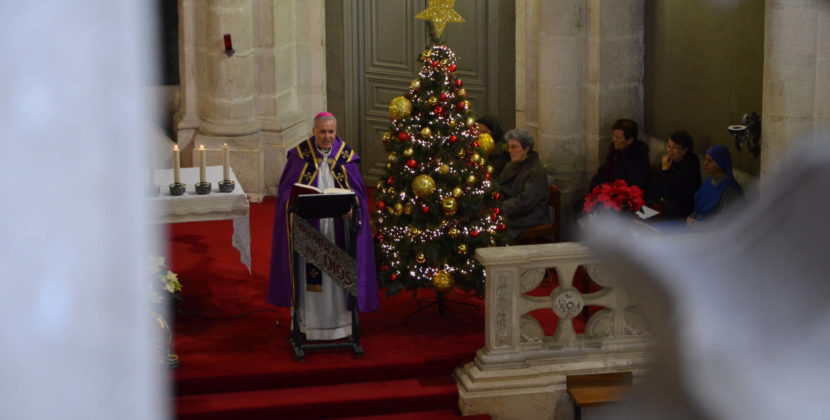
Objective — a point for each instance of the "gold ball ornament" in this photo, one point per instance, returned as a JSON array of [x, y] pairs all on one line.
[[389, 165], [490, 169], [391, 190], [420, 258], [453, 232], [400, 107], [432, 100], [462, 92], [471, 122], [426, 132], [415, 85], [414, 232], [449, 205], [426, 54], [462, 249], [380, 185], [460, 153], [442, 281], [453, 123], [407, 209], [471, 179], [408, 152], [481, 161], [457, 191], [398, 209], [475, 157], [468, 105], [444, 169], [486, 143], [387, 138], [445, 62], [423, 185], [392, 157]]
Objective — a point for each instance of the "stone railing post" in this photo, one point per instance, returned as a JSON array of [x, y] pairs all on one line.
[[521, 371]]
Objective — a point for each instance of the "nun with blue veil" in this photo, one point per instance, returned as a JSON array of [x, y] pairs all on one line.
[[719, 192]]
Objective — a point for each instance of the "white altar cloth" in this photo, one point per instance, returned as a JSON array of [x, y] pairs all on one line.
[[191, 207]]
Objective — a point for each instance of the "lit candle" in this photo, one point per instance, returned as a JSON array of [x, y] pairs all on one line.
[[225, 167], [176, 164], [202, 161]]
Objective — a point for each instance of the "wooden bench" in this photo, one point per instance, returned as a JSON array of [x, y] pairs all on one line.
[[597, 389]]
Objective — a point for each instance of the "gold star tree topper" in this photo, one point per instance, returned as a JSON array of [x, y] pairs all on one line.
[[440, 12]]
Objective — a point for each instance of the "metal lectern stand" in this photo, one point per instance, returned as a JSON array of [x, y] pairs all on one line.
[[322, 206]]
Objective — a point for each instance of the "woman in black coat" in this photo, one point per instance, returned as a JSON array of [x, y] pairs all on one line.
[[627, 159], [675, 185], [524, 184]]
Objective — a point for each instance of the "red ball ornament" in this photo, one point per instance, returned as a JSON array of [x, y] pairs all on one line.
[[444, 96], [494, 217], [475, 144], [403, 136], [384, 268], [411, 163], [434, 64], [497, 210], [474, 233], [425, 209], [453, 138], [459, 83], [452, 67], [390, 180], [460, 106], [487, 176], [501, 227], [497, 195], [470, 164], [393, 277], [380, 205], [439, 110]]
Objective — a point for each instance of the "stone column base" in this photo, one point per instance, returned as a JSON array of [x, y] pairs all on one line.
[[246, 159]]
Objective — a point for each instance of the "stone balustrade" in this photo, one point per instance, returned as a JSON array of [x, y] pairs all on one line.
[[531, 290]]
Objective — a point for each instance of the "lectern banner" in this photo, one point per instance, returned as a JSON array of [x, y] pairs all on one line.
[[318, 250]]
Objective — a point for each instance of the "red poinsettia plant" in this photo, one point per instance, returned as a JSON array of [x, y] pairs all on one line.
[[616, 195]]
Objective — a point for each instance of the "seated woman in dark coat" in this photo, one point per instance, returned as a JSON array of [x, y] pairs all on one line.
[[719, 192], [499, 156], [627, 159], [675, 185], [524, 184]]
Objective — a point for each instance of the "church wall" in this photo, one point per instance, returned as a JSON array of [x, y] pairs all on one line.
[[704, 68]]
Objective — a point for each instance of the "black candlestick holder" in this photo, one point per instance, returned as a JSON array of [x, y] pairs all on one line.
[[226, 186], [177, 188], [203, 188], [154, 190]]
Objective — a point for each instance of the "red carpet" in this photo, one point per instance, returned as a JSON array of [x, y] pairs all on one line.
[[236, 362]]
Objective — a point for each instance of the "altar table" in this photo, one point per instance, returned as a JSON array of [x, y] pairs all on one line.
[[191, 207]]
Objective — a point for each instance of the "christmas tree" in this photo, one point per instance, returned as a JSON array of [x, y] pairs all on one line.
[[438, 203]]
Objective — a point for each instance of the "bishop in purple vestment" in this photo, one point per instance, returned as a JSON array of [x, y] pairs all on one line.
[[304, 165]]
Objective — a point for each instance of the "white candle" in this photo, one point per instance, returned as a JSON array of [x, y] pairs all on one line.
[[225, 168], [202, 161], [176, 164]]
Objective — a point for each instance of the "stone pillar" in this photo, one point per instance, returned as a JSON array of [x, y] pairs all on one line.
[[579, 67], [550, 74], [615, 69], [260, 100], [796, 101]]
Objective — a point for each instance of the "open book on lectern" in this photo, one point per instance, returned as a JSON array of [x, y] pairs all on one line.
[[311, 202]]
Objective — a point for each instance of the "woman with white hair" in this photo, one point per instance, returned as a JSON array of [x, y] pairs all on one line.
[[524, 184]]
